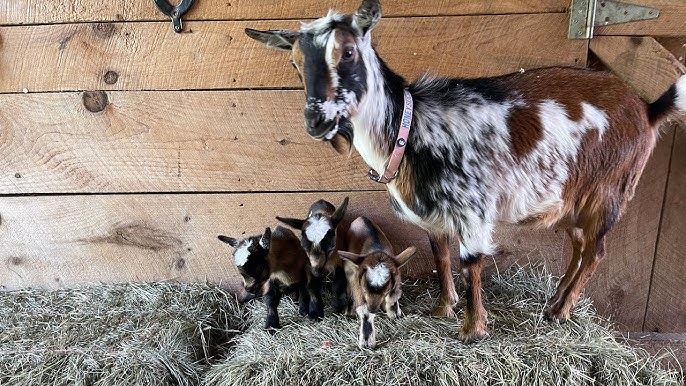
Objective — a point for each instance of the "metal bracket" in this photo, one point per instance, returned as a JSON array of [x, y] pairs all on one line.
[[175, 12], [587, 14]]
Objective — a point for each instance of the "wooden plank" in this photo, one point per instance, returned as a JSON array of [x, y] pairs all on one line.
[[68, 11], [671, 22], [173, 237], [150, 56], [666, 311], [641, 61], [671, 345], [167, 141]]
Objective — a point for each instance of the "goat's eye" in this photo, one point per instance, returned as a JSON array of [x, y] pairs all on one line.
[[348, 54]]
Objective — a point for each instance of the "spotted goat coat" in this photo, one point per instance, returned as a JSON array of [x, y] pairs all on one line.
[[550, 147]]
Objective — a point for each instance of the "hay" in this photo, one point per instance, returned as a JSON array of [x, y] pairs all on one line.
[[159, 334], [524, 349], [192, 334]]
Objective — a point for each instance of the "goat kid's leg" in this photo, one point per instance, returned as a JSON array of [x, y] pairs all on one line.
[[591, 257], [577, 237], [441, 251], [340, 286], [392, 307], [272, 297], [314, 288], [475, 319], [367, 337], [303, 299]]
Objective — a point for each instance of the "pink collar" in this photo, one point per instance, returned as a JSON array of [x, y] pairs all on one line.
[[399, 150]]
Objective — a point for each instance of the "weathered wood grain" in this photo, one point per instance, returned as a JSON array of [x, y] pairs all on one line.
[[61, 241], [166, 141], [218, 55], [671, 22], [67, 11], [641, 61], [666, 311]]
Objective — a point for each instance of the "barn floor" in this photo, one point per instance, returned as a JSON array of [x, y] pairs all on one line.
[[194, 334]]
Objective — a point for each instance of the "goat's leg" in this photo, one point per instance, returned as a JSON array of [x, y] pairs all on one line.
[[367, 337], [314, 288], [475, 318], [441, 251], [340, 285], [392, 306], [577, 237], [592, 254], [272, 297], [303, 299]]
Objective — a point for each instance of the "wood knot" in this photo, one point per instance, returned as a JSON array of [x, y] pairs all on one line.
[[103, 30], [15, 260], [180, 263], [111, 77], [95, 101]]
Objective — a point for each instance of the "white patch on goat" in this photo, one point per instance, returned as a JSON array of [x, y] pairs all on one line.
[[680, 101], [378, 276], [317, 229], [241, 255], [321, 27]]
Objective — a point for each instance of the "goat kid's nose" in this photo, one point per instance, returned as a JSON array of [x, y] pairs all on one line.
[[313, 119]]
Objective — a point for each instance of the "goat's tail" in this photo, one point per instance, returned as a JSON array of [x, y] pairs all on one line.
[[672, 101]]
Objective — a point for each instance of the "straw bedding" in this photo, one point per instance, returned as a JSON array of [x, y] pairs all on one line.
[[193, 334]]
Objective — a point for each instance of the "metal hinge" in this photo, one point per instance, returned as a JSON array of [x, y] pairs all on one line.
[[586, 14]]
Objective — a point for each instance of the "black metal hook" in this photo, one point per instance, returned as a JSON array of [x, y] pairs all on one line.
[[175, 12]]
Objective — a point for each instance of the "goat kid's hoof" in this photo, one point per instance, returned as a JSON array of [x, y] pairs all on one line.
[[553, 315], [369, 345], [469, 337], [315, 314], [443, 312]]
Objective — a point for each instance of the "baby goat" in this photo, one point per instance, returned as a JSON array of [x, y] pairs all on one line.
[[551, 147], [271, 264], [319, 239], [374, 278]]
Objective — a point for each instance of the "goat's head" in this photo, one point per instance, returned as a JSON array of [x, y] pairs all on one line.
[[330, 55], [318, 236], [378, 274], [250, 256]]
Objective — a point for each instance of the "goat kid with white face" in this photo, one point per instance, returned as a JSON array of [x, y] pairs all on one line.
[[319, 240], [373, 272], [270, 264], [556, 147]]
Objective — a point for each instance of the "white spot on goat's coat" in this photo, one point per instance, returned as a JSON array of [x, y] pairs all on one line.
[[242, 253], [317, 229], [378, 276]]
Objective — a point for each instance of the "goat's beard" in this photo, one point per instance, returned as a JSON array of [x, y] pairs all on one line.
[[342, 142]]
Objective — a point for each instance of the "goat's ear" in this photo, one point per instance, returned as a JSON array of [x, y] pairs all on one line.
[[229, 240], [404, 256], [266, 238], [351, 257], [340, 212], [292, 222], [367, 16], [282, 39]]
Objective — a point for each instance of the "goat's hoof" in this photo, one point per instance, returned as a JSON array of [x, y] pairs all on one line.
[[272, 328], [473, 336], [443, 312], [316, 314], [553, 315], [246, 297]]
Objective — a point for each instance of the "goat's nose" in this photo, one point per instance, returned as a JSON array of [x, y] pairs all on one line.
[[313, 119]]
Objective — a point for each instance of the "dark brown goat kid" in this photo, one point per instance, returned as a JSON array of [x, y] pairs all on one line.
[[555, 147]]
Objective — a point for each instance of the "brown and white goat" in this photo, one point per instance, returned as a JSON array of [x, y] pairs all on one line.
[[319, 240], [550, 147], [373, 272], [270, 264]]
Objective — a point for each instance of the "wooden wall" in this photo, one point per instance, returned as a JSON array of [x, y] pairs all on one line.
[[125, 148]]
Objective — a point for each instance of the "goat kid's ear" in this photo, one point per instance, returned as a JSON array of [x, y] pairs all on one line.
[[229, 240], [282, 39], [265, 240], [340, 212], [351, 257], [367, 16], [292, 222], [404, 256]]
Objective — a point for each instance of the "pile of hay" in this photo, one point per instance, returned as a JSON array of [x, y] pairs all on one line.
[[524, 349], [191, 334], [111, 335]]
